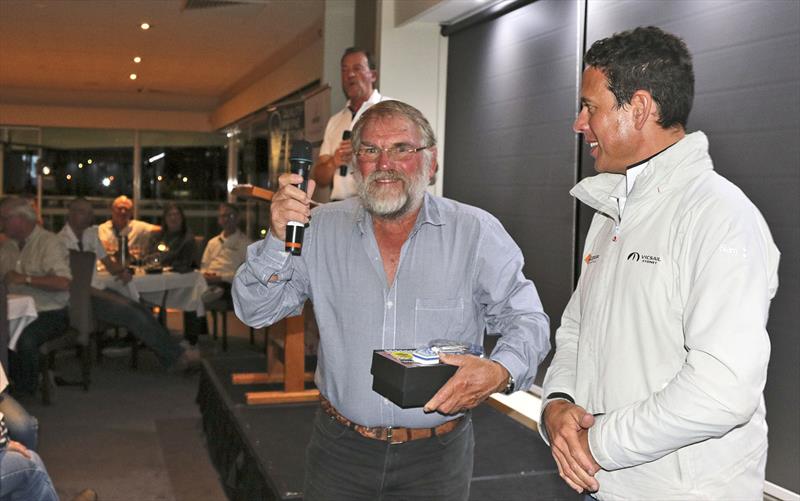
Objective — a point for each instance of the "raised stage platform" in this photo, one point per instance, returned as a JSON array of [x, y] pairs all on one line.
[[259, 450]]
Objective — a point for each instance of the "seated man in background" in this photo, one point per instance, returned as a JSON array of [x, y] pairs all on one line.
[[113, 308], [34, 262], [459, 274], [122, 225], [223, 254]]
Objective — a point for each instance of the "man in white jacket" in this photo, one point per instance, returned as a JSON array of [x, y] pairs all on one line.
[[655, 389]]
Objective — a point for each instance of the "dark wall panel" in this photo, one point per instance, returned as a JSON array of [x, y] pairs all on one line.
[[508, 147], [747, 101]]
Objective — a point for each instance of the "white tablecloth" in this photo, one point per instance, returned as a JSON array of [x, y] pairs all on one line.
[[21, 312], [183, 290]]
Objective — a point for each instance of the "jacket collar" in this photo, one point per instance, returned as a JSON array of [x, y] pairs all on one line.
[[666, 171]]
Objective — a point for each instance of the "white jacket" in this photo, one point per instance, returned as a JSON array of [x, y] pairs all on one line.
[[665, 335]]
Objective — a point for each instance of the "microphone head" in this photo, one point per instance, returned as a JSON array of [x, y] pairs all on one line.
[[301, 151], [346, 135]]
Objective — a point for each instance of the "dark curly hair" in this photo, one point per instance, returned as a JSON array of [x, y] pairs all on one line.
[[648, 58]]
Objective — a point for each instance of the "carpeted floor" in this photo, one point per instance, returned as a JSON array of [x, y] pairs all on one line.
[[135, 435]]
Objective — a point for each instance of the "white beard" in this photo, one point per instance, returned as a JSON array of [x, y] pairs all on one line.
[[389, 202]]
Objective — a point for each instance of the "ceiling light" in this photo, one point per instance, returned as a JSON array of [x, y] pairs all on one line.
[[80, 166], [89, 161], [156, 158], [69, 177], [46, 170], [133, 76], [145, 26], [137, 59]]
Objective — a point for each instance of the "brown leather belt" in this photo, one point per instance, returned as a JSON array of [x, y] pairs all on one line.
[[391, 434]]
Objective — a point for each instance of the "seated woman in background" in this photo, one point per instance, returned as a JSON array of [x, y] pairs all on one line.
[[174, 243]]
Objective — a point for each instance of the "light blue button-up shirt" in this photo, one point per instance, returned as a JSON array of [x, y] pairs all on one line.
[[460, 273]]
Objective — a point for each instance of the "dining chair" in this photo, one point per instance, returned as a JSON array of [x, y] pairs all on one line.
[[5, 335], [80, 326]]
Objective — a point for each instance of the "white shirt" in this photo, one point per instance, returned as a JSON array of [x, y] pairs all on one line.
[[630, 179], [224, 255], [345, 186], [90, 242], [138, 236]]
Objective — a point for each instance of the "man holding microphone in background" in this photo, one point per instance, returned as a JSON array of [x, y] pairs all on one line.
[[358, 83]]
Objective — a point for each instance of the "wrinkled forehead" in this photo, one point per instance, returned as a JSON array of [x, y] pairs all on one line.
[[389, 125]]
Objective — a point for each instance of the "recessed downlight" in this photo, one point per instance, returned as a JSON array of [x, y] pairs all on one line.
[[133, 76], [137, 59], [145, 26]]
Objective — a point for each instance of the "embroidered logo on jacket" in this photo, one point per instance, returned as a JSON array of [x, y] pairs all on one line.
[[643, 258], [591, 258]]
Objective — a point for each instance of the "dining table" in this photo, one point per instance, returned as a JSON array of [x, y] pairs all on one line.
[[170, 289], [21, 312]]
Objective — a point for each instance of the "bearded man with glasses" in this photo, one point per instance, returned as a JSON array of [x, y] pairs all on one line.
[[395, 267]]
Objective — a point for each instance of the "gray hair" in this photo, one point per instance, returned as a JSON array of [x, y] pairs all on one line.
[[385, 109], [18, 206]]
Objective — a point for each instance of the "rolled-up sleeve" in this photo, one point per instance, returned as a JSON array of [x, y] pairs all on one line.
[[270, 284]]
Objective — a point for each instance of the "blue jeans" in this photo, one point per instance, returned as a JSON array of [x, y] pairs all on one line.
[[24, 362], [115, 309], [343, 465], [22, 427], [23, 479]]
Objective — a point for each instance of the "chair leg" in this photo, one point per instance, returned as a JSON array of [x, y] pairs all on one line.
[[214, 319], [224, 330], [135, 354], [44, 366], [86, 366], [252, 336]]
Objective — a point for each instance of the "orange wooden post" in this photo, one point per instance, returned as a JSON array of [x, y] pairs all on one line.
[[294, 375]]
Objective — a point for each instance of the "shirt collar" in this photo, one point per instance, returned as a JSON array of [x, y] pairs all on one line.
[[428, 213]]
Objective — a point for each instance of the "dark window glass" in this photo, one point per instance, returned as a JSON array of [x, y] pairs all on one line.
[[97, 172], [184, 173]]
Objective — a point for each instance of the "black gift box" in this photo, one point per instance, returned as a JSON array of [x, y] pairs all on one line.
[[407, 383]]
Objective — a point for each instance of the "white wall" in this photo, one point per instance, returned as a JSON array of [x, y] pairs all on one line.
[[413, 69], [339, 34]]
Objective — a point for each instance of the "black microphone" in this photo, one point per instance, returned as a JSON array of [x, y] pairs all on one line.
[[300, 163], [343, 168]]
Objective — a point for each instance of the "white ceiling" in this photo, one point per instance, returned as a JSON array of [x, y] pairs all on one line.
[[197, 55], [80, 52]]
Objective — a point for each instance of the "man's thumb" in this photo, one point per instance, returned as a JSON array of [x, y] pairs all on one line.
[[587, 420]]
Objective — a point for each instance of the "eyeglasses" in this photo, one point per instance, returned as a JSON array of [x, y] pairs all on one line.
[[396, 152]]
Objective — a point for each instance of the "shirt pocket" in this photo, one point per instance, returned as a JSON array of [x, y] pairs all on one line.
[[437, 319]]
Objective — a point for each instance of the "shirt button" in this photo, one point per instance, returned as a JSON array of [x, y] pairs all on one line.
[[389, 304]]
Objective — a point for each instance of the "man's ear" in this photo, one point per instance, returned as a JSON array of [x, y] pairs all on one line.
[[642, 106], [434, 166]]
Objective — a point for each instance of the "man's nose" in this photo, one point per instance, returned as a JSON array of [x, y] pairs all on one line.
[[580, 123]]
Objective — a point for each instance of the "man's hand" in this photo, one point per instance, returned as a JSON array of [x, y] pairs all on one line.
[[18, 447], [473, 382], [14, 278], [124, 276], [567, 427], [212, 278], [289, 204], [343, 154]]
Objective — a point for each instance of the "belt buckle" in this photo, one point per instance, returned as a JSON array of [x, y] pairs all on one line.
[[389, 434]]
